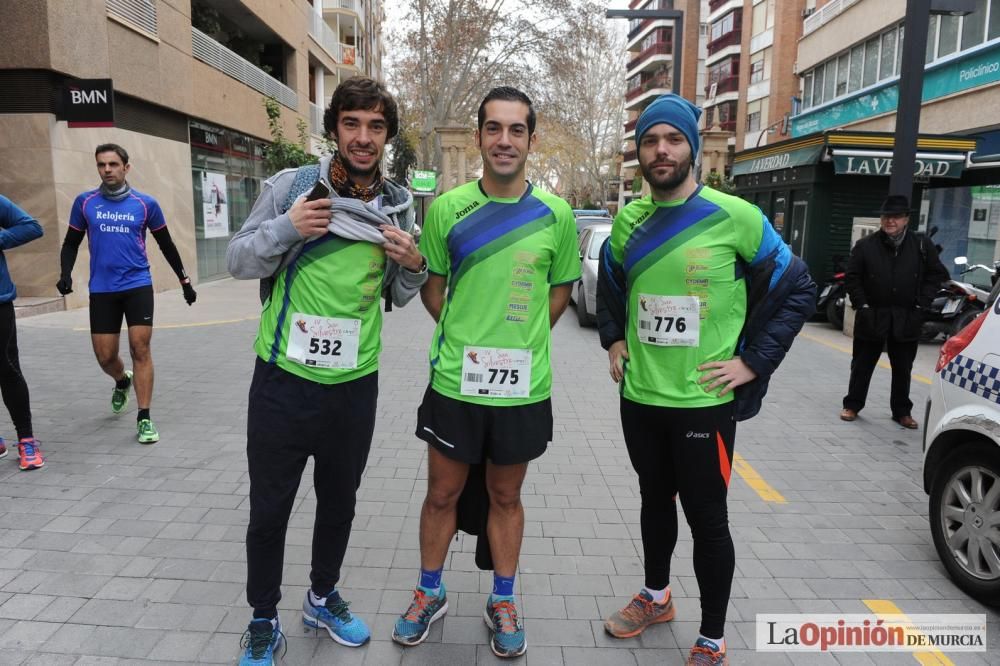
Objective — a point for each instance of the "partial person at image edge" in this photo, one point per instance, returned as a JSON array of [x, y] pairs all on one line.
[[16, 229]]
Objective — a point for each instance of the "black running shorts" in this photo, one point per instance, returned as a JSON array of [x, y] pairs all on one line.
[[472, 433], [107, 309]]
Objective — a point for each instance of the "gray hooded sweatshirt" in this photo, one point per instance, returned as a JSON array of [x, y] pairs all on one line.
[[269, 242]]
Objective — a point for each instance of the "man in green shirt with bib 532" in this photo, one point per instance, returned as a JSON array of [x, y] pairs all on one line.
[[502, 258]]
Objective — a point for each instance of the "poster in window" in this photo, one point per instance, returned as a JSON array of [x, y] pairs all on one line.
[[214, 206]]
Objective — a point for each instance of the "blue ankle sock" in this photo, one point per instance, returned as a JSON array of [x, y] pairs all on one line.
[[503, 586], [431, 580]]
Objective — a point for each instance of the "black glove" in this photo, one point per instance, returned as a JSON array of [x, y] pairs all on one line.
[[189, 294], [65, 285]]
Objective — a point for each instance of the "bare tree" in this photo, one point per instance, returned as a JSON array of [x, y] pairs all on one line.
[[456, 50], [584, 94]]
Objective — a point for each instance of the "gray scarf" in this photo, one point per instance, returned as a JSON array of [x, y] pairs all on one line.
[[116, 195], [897, 240]]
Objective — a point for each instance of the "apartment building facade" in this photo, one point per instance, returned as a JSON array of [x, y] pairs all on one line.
[[650, 73], [185, 82], [837, 162]]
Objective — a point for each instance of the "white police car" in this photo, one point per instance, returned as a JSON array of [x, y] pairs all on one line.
[[962, 455]]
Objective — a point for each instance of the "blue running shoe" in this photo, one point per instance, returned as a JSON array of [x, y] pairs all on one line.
[[507, 632], [413, 626], [342, 626], [260, 642]]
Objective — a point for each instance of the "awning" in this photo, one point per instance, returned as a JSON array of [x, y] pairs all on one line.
[[788, 155], [860, 153], [879, 163]]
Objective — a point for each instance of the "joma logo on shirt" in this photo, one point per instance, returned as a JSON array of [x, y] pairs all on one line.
[[468, 209], [639, 220]]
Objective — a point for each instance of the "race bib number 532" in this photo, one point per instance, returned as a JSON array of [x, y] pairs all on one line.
[[670, 321], [324, 342], [496, 373]]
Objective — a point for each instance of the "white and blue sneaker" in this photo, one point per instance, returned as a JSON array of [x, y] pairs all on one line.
[[261, 641], [335, 617]]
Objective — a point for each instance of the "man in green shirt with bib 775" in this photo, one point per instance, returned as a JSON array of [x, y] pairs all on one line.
[[502, 258]]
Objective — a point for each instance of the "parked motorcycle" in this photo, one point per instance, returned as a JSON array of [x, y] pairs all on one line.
[[832, 297], [956, 304]]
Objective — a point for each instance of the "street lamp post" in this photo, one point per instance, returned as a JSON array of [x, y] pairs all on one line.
[[911, 84], [678, 18]]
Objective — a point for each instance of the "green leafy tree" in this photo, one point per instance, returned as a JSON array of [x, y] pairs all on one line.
[[715, 180], [404, 156], [283, 153]]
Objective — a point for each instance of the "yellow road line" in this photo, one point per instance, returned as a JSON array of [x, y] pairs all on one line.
[[883, 607], [216, 322], [850, 352], [754, 480]]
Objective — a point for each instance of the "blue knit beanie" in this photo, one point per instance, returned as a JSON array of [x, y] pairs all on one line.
[[673, 110]]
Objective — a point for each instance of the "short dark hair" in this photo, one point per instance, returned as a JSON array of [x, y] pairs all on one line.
[[364, 94], [508, 94], [112, 147]]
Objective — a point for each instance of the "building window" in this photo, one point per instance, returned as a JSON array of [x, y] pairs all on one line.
[[857, 61], [753, 121], [723, 26], [948, 37], [842, 69], [888, 59], [830, 80], [807, 91], [974, 26], [932, 27], [993, 21], [871, 63], [757, 69]]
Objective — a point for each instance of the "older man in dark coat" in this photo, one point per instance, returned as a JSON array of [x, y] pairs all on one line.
[[891, 274]]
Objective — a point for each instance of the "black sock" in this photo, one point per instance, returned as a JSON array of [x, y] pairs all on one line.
[[122, 383], [143, 414]]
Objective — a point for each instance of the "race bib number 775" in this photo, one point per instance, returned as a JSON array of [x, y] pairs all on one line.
[[496, 373]]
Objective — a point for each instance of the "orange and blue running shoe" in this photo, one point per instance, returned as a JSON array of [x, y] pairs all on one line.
[[29, 453], [3, 449], [507, 638], [413, 626]]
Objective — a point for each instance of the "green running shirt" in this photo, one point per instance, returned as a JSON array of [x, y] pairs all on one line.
[[500, 257], [333, 278], [680, 258]]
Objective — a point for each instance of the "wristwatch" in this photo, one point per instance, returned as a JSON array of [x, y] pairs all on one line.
[[423, 266]]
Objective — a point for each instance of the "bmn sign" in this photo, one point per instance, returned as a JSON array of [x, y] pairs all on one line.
[[88, 103]]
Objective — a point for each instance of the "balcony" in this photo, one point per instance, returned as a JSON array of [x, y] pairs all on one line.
[[349, 5], [630, 125], [715, 4], [316, 119], [729, 39], [324, 36], [661, 81], [728, 125], [724, 85], [215, 55], [630, 156], [658, 48], [827, 13]]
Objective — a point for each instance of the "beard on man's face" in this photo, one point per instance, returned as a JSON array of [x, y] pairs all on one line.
[[669, 181]]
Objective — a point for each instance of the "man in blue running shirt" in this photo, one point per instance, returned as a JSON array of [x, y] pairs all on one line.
[[114, 217]]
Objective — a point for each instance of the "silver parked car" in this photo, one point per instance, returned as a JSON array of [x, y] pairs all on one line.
[[591, 240]]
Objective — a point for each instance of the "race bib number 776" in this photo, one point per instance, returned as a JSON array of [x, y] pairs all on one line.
[[668, 321]]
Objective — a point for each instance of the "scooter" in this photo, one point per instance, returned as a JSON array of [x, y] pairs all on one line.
[[831, 298], [956, 304]]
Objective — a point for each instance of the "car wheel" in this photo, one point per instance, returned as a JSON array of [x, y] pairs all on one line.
[[582, 317], [965, 520]]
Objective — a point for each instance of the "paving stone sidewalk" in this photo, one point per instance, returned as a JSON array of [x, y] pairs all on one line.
[[117, 553]]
